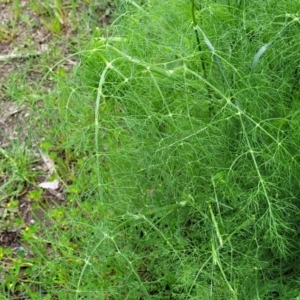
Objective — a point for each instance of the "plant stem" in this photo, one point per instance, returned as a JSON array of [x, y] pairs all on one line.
[[197, 35]]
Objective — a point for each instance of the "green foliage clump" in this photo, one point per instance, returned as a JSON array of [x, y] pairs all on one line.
[[188, 169]]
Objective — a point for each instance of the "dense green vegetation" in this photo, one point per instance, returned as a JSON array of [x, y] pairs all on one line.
[[178, 134]]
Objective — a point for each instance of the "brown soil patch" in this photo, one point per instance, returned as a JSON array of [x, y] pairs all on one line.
[[32, 38]]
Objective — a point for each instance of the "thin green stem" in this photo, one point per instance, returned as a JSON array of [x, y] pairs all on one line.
[[197, 35]]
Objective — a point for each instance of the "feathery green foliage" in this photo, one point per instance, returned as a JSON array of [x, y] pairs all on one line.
[[186, 182]]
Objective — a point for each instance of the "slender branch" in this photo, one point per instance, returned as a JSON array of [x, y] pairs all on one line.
[[197, 35], [18, 56]]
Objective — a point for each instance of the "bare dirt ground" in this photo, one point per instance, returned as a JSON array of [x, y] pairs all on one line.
[[33, 36]]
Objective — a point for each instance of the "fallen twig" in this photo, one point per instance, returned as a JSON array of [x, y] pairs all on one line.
[[19, 56]]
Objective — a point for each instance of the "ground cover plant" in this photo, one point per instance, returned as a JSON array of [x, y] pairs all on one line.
[[176, 138], [33, 37]]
